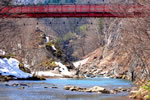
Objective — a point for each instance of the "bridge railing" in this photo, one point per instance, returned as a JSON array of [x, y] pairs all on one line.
[[59, 8], [75, 10]]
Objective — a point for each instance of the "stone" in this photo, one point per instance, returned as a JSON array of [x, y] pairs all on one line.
[[21, 88], [73, 89], [88, 90], [122, 90], [128, 90], [67, 87], [133, 92], [147, 97], [54, 87], [123, 76], [132, 96], [15, 84], [23, 84], [75, 76], [113, 92], [45, 87], [6, 84], [97, 89]]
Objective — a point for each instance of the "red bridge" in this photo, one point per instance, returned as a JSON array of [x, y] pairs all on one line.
[[74, 10]]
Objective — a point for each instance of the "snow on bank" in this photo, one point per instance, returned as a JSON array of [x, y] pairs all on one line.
[[80, 63], [63, 69], [46, 73], [11, 67]]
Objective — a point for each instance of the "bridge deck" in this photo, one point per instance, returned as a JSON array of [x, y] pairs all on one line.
[[86, 10]]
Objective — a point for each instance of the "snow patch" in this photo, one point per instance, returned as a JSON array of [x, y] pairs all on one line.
[[46, 73], [106, 77], [80, 63], [47, 39], [19, 46], [53, 47], [63, 69], [2, 52], [25, 63], [11, 67]]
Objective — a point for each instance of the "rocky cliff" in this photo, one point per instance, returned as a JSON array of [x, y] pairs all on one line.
[[125, 50]]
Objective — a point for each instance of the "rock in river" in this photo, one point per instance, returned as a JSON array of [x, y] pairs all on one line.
[[96, 89], [99, 89]]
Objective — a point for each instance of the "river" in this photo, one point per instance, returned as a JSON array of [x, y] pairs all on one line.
[[46, 89]]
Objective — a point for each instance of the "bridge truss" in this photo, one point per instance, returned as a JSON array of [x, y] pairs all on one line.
[[74, 10]]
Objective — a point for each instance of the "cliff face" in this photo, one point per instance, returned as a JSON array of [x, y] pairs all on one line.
[[125, 50]]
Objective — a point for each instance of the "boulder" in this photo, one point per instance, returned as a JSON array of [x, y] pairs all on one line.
[[67, 87], [15, 84], [74, 88], [21, 88], [96, 89], [45, 87], [118, 90], [99, 89]]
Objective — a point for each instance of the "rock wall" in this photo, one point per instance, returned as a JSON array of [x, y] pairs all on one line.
[[125, 50]]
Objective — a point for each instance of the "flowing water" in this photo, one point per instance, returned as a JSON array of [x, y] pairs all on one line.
[[42, 90]]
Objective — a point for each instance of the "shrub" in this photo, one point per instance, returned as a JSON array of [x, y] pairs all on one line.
[[49, 63], [24, 69], [146, 86], [68, 36], [83, 28], [49, 44], [100, 24], [147, 97], [12, 55], [58, 53]]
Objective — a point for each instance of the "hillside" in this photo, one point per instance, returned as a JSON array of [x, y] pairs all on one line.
[[115, 47], [125, 53]]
